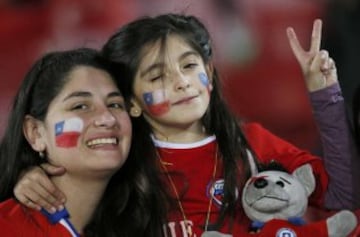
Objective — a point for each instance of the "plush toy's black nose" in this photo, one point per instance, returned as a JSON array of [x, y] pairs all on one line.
[[260, 183]]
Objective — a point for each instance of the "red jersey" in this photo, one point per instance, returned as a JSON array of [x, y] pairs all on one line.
[[191, 168], [19, 221]]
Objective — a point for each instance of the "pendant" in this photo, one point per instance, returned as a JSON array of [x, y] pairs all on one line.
[[214, 234]]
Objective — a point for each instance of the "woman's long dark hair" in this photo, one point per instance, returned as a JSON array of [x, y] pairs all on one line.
[[126, 46]]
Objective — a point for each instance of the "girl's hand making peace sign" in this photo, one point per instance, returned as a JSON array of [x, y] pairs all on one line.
[[317, 66]]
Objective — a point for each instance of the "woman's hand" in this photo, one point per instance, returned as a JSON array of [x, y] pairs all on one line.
[[35, 190], [317, 66]]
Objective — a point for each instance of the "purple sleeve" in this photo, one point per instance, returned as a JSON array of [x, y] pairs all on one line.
[[337, 144]]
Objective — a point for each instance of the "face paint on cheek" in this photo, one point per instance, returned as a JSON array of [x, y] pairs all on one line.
[[156, 102], [205, 81], [67, 132]]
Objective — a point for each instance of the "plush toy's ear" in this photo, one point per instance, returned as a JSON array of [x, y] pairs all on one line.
[[305, 175], [253, 167]]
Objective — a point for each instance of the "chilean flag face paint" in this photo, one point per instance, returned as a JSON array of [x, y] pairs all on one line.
[[204, 80], [156, 102], [67, 132]]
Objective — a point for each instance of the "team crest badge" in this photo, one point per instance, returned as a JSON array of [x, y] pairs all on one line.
[[285, 232], [216, 191]]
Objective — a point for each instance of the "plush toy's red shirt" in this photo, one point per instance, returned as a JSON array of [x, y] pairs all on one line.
[[283, 228]]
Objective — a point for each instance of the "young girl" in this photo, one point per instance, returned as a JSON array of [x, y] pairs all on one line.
[[182, 125], [69, 112]]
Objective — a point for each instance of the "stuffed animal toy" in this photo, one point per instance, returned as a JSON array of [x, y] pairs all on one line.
[[276, 201]]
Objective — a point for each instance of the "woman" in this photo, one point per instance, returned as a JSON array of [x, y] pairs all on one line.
[[70, 112]]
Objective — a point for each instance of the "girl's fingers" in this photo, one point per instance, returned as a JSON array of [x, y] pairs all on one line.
[[316, 36], [332, 64], [36, 186], [35, 196], [32, 197], [329, 70], [331, 74], [318, 68], [320, 62], [295, 44], [47, 189], [45, 197], [27, 202], [322, 72], [42, 198]]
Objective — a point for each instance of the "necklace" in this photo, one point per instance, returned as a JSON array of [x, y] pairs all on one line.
[[188, 226]]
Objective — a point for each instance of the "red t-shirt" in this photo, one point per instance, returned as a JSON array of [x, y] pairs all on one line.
[[19, 221], [191, 167]]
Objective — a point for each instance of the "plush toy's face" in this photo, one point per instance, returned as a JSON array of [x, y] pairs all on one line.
[[274, 194]]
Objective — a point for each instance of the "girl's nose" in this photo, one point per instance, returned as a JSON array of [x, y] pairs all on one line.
[[181, 82]]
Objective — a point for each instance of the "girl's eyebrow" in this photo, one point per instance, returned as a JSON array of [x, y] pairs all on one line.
[[188, 53], [150, 68], [161, 65]]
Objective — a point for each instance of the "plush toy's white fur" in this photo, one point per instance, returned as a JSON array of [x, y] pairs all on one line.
[[278, 195]]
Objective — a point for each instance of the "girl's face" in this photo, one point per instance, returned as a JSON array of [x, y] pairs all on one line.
[[87, 129], [171, 86]]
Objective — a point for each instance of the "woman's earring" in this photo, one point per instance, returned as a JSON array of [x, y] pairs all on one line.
[[41, 154]]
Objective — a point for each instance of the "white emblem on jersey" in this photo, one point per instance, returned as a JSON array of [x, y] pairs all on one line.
[[216, 191], [285, 232]]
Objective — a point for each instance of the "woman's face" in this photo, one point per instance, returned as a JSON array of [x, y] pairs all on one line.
[[172, 86], [87, 129]]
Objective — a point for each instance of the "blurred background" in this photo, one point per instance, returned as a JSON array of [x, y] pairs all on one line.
[[262, 80]]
